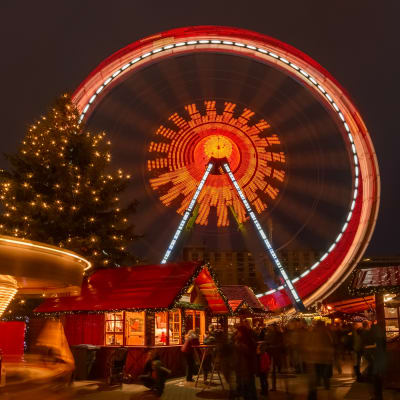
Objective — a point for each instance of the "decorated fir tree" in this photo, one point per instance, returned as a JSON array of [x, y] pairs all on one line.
[[61, 190]]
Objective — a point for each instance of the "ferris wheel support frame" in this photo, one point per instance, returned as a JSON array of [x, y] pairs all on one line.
[[290, 289]]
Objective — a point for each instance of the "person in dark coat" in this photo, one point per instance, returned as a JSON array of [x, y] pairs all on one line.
[[188, 351], [263, 366], [210, 352], [318, 356], [246, 362], [378, 360], [154, 373], [357, 345]]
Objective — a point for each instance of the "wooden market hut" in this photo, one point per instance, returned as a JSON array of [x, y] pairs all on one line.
[[140, 307], [244, 305], [382, 284]]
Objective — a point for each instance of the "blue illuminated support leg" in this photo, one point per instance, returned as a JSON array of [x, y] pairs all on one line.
[[186, 215], [297, 303]]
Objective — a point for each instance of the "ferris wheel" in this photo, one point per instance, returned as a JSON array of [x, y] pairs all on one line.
[[229, 128]]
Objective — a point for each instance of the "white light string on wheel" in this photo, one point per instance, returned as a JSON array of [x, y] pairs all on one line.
[[264, 238], [186, 215]]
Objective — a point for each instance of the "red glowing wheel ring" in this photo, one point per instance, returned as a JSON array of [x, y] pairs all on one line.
[[348, 247]]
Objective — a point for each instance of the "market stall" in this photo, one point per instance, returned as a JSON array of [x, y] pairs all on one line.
[[244, 305], [140, 307], [384, 284]]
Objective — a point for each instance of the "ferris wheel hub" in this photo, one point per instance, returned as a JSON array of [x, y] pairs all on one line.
[[218, 165]]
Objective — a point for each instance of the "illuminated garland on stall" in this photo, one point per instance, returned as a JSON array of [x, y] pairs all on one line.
[[192, 279], [191, 306], [249, 310], [373, 290]]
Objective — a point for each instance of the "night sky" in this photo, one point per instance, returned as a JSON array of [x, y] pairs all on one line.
[[49, 47]]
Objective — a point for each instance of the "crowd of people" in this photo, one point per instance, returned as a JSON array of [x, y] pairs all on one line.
[[244, 354], [315, 350]]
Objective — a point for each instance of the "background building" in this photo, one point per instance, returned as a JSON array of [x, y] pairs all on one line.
[[298, 260], [231, 267], [240, 267]]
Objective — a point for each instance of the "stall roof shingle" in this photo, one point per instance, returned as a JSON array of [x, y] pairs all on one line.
[[368, 279], [236, 294]]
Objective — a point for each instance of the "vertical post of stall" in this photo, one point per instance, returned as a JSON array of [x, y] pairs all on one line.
[[380, 311], [167, 333]]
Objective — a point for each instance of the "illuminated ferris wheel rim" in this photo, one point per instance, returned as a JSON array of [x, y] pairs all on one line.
[[270, 51]]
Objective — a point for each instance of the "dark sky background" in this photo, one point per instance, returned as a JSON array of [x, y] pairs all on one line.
[[49, 47]]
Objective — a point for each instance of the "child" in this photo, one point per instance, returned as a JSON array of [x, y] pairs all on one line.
[[264, 363], [155, 374]]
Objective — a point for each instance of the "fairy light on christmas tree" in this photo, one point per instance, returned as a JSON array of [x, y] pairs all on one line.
[[61, 189]]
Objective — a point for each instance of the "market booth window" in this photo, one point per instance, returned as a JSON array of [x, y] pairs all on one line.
[[160, 328], [135, 328], [392, 318], [167, 328], [125, 329], [114, 326], [128, 328], [175, 327]]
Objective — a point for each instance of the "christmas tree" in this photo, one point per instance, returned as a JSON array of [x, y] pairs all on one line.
[[61, 190]]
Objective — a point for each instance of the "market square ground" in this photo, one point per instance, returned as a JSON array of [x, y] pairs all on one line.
[[289, 387]]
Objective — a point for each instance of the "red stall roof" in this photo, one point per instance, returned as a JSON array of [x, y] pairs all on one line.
[[140, 287], [239, 295], [376, 278]]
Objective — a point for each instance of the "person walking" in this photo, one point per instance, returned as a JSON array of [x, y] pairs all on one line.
[[188, 351], [377, 350], [357, 351], [318, 355], [154, 373], [263, 366], [209, 355], [276, 349], [246, 362], [225, 349]]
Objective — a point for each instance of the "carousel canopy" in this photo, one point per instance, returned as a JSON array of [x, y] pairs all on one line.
[[140, 287], [238, 295], [38, 268]]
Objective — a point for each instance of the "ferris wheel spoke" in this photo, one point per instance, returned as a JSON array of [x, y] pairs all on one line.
[[187, 214], [288, 283]]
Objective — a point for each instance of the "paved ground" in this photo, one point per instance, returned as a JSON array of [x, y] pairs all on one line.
[[289, 387]]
